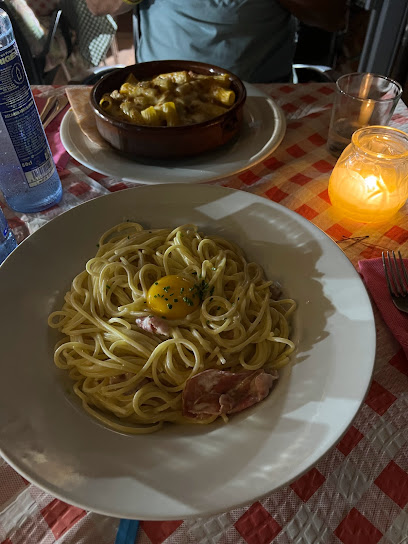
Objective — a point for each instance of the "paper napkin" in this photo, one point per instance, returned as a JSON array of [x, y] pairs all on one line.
[[78, 97], [373, 275]]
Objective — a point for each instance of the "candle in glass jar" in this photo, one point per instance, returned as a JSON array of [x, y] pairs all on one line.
[[370, 180]]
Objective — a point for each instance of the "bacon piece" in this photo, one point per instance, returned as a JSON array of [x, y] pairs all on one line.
[[221, 392], [153, 324]]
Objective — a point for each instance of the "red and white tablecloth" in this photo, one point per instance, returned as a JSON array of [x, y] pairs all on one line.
[[358, 493]]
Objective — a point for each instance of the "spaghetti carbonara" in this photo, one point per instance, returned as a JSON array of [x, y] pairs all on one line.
[[155, 309]]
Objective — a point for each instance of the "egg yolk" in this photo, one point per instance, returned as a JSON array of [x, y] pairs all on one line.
[[173, 297]]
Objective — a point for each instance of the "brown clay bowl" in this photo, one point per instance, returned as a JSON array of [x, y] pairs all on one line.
[[166, 142]]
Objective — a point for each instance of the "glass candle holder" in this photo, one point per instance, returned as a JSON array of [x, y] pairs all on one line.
[[370, 180]]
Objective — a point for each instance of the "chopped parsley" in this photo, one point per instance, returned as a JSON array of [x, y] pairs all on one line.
[[199, 289], [169, 306], [188, 301]]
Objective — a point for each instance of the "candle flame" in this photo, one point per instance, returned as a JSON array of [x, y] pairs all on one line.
[[373, 183]]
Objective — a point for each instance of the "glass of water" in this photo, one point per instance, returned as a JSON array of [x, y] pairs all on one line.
[[361, 100]]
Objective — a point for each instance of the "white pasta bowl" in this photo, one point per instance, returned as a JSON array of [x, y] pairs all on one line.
[[182, 471]]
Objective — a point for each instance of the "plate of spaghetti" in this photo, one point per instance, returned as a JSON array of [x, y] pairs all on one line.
[[187, 349]]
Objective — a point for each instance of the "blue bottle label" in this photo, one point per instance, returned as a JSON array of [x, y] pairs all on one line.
[[19, 112]]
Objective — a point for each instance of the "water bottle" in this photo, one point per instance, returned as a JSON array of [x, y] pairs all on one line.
[[28, 177], [7, 240]]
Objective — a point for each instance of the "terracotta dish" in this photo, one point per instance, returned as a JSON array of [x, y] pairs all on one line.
[[166, 142]]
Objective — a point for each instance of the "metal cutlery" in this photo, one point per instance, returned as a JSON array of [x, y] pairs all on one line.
[[396, 276], [53, 106]]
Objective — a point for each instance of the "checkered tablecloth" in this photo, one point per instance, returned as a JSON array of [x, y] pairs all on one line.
[[358, 493]]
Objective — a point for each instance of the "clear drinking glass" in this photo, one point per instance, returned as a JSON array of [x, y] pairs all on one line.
[[361, 99], [370, 180]]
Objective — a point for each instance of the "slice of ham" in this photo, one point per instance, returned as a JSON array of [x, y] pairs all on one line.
[[219, 392], [153, 324]]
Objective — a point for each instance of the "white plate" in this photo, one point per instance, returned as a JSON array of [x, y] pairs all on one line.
[[182, 471], [263, 129]]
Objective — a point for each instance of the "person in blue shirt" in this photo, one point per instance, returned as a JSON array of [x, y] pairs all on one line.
[[255, 39]]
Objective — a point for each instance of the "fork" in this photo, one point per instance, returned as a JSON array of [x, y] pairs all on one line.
[[397, 279]]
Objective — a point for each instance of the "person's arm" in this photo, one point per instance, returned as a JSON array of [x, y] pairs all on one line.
[[107, 7], [325, 14]]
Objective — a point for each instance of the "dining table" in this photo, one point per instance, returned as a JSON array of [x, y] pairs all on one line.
[[358, 492]]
